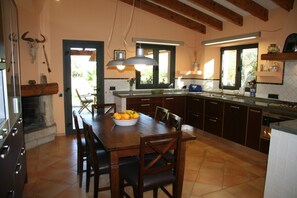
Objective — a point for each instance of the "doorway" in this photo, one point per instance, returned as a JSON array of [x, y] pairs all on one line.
[[83, 74]]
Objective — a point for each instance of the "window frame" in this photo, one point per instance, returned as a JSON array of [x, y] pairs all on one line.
[[239, 49], [156, 49]]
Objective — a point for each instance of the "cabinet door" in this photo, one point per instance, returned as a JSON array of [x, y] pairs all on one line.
[[175, 105], [213, 125], [195, 112], [235, 119], [254, 128], [145, 105], [214, 108]]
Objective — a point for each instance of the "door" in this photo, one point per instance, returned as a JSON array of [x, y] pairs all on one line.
[[84, 72]]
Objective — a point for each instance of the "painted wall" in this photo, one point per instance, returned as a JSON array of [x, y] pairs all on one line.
[[93, 20]]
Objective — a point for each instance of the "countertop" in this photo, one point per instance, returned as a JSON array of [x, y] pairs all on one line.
[[286, 126]]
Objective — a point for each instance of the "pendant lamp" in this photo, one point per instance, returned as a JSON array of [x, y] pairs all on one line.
[[118, 62], [139, 61]]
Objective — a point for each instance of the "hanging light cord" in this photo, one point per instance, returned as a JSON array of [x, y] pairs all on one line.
[[129, 26], [112, 29]]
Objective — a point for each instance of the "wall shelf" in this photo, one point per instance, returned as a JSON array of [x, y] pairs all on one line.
[[270, 74], [39, 89], [280, 56]]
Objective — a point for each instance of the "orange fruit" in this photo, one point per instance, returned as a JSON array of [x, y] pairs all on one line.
[[125, 116], [135, 115]]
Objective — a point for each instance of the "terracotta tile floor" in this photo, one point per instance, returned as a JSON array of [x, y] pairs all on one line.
[[215, 168]]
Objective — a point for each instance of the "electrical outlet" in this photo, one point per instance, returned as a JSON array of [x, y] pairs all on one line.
[[112, 88]]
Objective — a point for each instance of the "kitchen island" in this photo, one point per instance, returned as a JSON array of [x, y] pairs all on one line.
[[281, 178]]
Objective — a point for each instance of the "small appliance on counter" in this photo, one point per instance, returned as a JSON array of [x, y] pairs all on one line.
[[195, 88]]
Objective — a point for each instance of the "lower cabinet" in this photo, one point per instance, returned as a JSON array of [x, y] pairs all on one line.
[[176, 105], [13, 169], [146, 105], [253, 131], [213, 116], [213, 125], [195, 112], [235, 119]]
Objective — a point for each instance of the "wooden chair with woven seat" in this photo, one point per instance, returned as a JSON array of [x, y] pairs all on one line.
[[81, 148], [154, 173], [161, 114], [103, 108], [85, 102]]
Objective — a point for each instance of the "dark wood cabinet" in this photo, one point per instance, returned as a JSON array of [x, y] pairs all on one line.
[[213, 116], [146, 105], [235, 119], [195, 112], [176, 105], [254, 128], [264, 145]]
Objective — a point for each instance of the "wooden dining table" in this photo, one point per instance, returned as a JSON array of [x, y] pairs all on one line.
[[124, 141]]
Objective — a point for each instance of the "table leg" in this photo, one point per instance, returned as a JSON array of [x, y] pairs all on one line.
[[114, 175]]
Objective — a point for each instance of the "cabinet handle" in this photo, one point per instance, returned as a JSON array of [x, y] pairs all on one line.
[[4, 134], [4, 151], [215, 103], [23, 151], [14, 131], [169, 98], [145, 99], [212, 120], [255, 111], [196, 115], [234, 107], [20, 120], [196, 99], [145, 105], [18, 168]]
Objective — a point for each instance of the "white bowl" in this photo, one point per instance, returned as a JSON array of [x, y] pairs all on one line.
[[130, 122]]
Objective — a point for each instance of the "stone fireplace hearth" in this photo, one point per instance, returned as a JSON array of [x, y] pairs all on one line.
[[37, 105]]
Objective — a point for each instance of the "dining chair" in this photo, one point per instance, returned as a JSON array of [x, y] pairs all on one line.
[[98, 161], [85, 102], [81, 149], [103, 108], [174, 120], [154, 173], [161, 114]]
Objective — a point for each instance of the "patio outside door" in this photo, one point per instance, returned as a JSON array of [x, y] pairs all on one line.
[[83, 75]]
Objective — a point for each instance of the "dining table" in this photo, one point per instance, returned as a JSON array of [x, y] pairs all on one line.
[[124, 141]]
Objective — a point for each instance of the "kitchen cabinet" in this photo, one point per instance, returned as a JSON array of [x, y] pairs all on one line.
[[176, 105], [254, 123], [195, 112], [235, 117], [213, 116], [146, 105]]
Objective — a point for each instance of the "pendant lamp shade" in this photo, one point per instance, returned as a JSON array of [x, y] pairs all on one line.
[[140, 59], [118, 62]]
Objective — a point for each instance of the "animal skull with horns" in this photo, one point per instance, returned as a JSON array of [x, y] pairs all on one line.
[[33, 44]]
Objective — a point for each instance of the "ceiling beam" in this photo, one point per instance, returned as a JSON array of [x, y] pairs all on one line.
[[166, 14], [252, 7], [222, 11], [285, 4], [188, 11]]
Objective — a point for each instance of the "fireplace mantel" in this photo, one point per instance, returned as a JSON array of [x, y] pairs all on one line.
[[39, 89]]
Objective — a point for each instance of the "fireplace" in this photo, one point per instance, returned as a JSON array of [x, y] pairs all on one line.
[[37, 106]]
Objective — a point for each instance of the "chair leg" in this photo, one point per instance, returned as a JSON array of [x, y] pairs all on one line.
[[96, 185], [88, 177], [80, 167], [155, 192]]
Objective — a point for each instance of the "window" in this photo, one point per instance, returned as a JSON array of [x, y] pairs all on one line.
[[238, 66], [160, 76]]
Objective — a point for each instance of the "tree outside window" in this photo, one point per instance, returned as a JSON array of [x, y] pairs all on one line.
[[160, 76], [238, 66]]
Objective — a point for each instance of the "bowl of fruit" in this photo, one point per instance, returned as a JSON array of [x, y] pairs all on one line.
[[125, 118]]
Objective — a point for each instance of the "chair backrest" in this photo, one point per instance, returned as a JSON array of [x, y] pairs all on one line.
[[78, 95], [78, 134], [103, 108], [174, 120], [161, 114], [91, 147], [159, 144]]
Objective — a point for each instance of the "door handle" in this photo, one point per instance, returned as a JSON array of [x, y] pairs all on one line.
[[67, 89]]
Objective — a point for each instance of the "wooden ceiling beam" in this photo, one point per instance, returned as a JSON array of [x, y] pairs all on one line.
[[167, 14], [252, 7], [285, 4], [220, 10], [188, 11]]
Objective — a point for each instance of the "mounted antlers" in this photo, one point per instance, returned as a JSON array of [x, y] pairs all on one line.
[[33, 44]]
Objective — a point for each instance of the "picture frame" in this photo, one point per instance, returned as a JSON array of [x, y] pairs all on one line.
[[116, 52]]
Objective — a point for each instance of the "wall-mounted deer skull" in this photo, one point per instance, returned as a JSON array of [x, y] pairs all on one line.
[[33, 44]]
